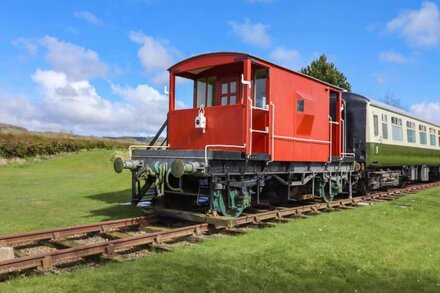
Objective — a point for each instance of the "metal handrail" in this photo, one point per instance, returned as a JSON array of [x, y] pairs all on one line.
[[153, 141], [222, 146]]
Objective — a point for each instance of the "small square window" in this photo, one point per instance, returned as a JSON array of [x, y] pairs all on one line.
[[232, 86], [300, 106], [224, 88]]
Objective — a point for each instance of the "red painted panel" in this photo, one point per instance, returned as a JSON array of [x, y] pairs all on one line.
[[305, 134], [224, 125]]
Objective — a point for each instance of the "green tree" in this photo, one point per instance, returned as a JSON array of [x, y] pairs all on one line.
[[326, 71]]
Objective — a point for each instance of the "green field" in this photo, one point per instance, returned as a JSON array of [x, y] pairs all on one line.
[[393, 246]]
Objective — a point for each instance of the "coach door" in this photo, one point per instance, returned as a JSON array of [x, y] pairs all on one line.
[[260, 139]]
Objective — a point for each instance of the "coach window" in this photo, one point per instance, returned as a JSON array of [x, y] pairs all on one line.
[[397, 129], [259, 85], [384, 126], [432, 136], [411, 131], [205, 92], [376, 125], [422, 134]]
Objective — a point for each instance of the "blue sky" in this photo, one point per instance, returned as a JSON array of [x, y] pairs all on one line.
[[95, 67]]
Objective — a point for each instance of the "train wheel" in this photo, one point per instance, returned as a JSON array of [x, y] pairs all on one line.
[[326, 194], [231, 202], [363, 188]]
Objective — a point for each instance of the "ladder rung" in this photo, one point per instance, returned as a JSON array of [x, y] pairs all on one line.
[[260, 131], [258, 108]]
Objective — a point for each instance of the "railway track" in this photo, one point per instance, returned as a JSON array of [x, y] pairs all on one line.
[[66, 245]]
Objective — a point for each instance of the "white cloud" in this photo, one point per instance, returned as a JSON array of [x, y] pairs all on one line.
[[286, 57], [150, 108], [419, 28], [70, 102], [394, 57], [88, 17], [161, 78], [18, 110], [76, 106], [251, 33], [28, 45], [155, 56], [429, 111], [76, 62]]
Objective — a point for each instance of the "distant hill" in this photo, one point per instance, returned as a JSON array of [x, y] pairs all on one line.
[[130, 138], [5, 126]]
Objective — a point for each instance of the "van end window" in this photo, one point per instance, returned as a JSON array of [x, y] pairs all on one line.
[[205, 92], [259, 88]]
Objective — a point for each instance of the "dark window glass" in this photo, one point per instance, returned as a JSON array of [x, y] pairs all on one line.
[[385, 130], [411, 133], [423, 139], [376, 125], [300, 105]]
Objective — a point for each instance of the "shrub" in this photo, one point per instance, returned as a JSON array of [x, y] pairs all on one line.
[[24, 145]]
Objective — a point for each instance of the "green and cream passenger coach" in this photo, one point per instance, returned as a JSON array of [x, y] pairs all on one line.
[[391, 146]]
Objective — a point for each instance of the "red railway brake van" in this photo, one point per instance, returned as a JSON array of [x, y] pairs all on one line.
[[256, 106], [256, 133]]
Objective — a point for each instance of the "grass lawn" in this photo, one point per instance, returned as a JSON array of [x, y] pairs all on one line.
[[392, 246], [74, 188]]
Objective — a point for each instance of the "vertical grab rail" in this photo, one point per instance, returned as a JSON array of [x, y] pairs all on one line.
[[272, 137], [330, 122], [250, 126]]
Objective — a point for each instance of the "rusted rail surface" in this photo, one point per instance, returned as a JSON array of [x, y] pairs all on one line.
[[59, 233], [48, 260], [109, 247], [297, 211], [284, 212]]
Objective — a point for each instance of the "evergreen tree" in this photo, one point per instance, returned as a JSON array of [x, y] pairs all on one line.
[[326, 71]]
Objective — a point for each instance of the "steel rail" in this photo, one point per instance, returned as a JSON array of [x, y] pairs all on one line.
[[299, 210], [49, 259], [59, 233]]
